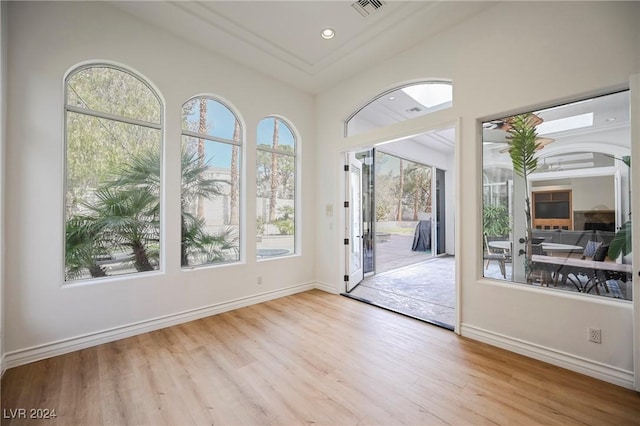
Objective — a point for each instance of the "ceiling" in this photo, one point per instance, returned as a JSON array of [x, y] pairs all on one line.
[[575, 130], [282, 38]]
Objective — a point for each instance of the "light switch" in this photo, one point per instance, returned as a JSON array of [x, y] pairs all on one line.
[[329, 209]]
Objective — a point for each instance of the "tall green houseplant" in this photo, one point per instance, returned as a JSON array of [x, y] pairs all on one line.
[[522, 138]]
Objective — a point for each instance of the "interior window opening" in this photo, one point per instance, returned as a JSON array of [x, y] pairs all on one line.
[[556, 197]]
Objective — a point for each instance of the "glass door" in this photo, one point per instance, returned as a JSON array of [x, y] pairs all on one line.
[[368, 210], [354, 231]]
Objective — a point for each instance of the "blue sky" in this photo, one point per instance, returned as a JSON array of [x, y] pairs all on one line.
[[221, 124]]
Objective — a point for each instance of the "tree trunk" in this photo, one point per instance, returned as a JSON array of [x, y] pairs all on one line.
[[184, 259], [274, 174], [140, 257], [416, 198], [235, 180], [202, 128], [400, 192], [97, 271]]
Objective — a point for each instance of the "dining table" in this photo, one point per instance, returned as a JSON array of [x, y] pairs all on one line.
[[570, 269], [549, 248]]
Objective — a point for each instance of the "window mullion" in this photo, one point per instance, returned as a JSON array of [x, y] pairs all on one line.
[[107, 116], [276, 151], [210, 138]]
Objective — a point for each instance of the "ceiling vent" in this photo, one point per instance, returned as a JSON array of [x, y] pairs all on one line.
[[367, 7]]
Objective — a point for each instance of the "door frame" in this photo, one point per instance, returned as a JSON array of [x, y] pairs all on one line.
[[396, 132], [634, 89]]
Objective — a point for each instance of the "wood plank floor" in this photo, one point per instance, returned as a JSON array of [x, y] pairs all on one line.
[[308, 358]]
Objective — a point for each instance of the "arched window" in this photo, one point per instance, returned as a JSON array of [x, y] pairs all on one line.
[[210, 197], [276, 188], [400, 104], [112, 176]]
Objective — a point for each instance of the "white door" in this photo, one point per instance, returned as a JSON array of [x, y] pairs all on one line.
[[353, 229]]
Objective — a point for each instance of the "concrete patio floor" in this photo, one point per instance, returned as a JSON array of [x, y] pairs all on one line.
[[411, 283]]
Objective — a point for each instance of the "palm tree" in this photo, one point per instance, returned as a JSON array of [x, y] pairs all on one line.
[[128, 219], [400, 192], [196, 187], [125, 216], [196, 243], [273, 197], [83, 248]]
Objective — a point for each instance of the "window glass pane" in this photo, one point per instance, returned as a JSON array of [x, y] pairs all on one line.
[[97, 147], [112, 200], [276, 192], [285, 139], [403, 198], [208, 117], [210, 202], [210, 184], [114, 92], [275, 204], [400, 104], [558, 179]]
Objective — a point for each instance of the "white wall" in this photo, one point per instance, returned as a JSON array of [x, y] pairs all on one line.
[[3, 111], [45, 40], [593, 193], [588, 193], [515, 57]]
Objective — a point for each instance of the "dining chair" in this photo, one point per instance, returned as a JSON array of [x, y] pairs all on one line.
[[499, 255]]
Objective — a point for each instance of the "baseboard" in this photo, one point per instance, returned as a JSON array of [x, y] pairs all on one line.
[[48, 350], [329, 288], [604, 372]]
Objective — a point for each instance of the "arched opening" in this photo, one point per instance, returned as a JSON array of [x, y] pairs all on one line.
[[406, 211]]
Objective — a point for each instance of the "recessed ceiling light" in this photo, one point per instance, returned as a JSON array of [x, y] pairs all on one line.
[[392, 98], [327, 33], [610, 119]]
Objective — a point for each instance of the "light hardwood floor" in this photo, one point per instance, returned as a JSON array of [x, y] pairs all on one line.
[[308, 358]]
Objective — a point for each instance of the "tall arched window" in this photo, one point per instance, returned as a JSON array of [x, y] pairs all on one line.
[[400, 104], [276, 188], [112, 176], [210, 198]]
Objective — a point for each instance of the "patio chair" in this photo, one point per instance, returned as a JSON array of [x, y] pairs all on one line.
[[502, 257]]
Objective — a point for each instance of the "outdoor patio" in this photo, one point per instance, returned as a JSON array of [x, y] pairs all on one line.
[[414, 283], [411, 283]]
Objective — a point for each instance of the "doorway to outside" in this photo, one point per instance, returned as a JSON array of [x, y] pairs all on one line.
[[399, 224]]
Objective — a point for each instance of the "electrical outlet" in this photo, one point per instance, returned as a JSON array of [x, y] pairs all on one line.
[[595, 335], [259, 280]]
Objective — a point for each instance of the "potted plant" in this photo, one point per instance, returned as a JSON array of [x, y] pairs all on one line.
[[523, 143]]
